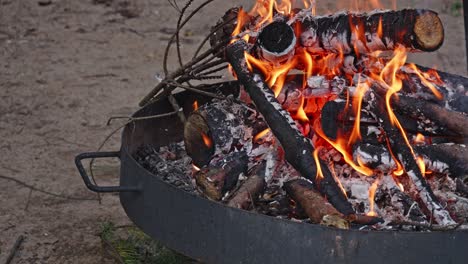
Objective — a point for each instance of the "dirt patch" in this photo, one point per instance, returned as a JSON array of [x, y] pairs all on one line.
[[65, 67]]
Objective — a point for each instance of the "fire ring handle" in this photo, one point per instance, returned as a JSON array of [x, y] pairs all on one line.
[[87, 180]]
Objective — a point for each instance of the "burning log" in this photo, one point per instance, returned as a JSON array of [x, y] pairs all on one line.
[[362, 219], [454, 121], [224, 27], [452, 86], [397, 145], [415, 29], [214, 129], [441, 157], [314, 205], [248, 192], [217, 179], [298, 149], [277, 42]]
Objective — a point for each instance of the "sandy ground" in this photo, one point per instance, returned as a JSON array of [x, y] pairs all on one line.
[[65, 67]]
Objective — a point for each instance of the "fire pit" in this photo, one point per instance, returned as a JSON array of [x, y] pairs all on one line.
[[215, 233], [328, 145]]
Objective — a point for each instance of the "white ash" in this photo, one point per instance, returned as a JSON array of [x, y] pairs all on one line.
[[440, 214], [270, 158]]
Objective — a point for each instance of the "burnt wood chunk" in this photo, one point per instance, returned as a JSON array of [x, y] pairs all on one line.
[[214, 129], [438, 157], [462, 188], [314, 205], [456, 122], [276, 42], [250, 189], [217, 179], [415, 29], [298, 149]]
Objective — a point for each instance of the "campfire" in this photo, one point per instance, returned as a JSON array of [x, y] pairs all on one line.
[[327, 122]]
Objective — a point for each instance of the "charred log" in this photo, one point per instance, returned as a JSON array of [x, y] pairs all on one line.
[[361, 219], [314, 205], [331, 119], [441, 157], [415, 29], [298, 149], [410, 208], [214, 129], [217, 179], [397, 145], [250, 189], [276, 42], [224, 28], [462, 188], [420, 109]]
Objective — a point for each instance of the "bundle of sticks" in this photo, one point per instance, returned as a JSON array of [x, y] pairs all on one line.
[[221, 137]]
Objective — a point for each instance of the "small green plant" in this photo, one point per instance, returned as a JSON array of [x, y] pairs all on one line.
[[129, 245], [456, 8]]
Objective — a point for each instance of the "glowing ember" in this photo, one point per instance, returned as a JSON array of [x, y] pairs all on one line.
[[195, 168], [195, 105], [261, 134]]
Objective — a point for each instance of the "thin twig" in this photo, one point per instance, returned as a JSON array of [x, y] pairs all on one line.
[[171, 40], [179, 72], [175, 105], [174, 4], [216, 28], [220, 68], [195, 90], [132, 119], [207, 77], [24, 184], [14, 249], [179, 56]]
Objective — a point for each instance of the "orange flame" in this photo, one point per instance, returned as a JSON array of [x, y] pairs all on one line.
[[195, 106], [420, 139], [372, 191], [242, 19], [341, 146], [424, 76], [207, 140], [274, 76], [337, 180], [361, 90], [317, 164], [421, 165], [380, 28]]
